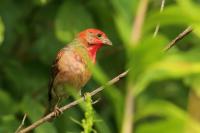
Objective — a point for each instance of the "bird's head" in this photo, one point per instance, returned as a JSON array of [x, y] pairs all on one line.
[[93, 40]]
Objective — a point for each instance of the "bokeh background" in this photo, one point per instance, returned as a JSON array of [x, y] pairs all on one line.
[[161, 93]]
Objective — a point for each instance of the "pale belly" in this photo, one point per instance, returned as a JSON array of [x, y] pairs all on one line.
[[73, 74]]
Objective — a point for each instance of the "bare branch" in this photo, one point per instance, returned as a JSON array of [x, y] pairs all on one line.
[[21, 125], [70, 105], [158, 25], [178, 38]]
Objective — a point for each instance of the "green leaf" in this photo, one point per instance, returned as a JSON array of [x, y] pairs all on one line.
[[34, 112], [175, 118], [72, 17], [148, 52], [41, 2], [176, 15], [173, 66], [164, 126], [112, 93], [48, 43], [9, 123], [2, 29], [123, 18], [190, 8], [194, 82], [8, 106]]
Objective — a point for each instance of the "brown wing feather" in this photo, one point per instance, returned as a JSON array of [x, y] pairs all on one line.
[[54, 72]]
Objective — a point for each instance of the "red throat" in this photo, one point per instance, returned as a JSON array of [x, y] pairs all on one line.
[[92, 51]]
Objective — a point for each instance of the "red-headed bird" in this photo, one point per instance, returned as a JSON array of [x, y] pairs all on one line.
[[70, 67]]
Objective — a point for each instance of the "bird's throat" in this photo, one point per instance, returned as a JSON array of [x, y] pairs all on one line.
[[92, 51]]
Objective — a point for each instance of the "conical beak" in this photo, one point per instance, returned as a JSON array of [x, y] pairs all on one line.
[[107, 42]]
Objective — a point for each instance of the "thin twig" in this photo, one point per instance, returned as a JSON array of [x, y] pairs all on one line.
[[64, 108], [179, 37], [21, 125], [158, 25]]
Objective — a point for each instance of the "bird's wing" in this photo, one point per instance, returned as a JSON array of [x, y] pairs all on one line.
[[54, 72]]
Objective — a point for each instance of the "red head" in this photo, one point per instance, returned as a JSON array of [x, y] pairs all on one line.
[[93, 40]]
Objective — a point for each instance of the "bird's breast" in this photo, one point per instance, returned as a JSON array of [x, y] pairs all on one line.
[[73, 70]]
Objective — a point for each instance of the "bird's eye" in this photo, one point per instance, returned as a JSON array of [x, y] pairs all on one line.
[[99, 35]]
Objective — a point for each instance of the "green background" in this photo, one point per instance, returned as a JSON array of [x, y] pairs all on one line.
[[32, 31]]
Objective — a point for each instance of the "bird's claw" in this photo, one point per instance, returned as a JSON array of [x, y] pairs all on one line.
[[57, 111]]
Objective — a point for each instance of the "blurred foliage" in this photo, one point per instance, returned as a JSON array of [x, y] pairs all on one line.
[[1, 31], [31, 32]]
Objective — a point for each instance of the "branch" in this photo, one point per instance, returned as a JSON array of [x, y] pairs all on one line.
[[21, 125], [70, 105], [178, 38], [158, 25]]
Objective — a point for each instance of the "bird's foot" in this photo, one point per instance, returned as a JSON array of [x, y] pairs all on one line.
[[57, 111]]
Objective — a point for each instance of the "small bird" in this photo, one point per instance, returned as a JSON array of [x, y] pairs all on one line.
[[70, 67]]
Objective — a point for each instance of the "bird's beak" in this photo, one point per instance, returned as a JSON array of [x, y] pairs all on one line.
[[107, 42]]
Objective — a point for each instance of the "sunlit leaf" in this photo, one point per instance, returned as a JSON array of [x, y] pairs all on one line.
[[172, 118], [164, 126], [1, 31], [194, 82], [176, 15], [41, 2], [174, 66]]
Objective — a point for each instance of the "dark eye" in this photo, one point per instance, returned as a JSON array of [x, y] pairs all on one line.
[[99, 35]]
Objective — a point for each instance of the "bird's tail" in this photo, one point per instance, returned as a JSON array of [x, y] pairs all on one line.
[[50, 108], [52, 101], [47, 111]]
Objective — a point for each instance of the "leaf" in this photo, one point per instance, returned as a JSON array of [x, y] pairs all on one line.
[[48, 43], [111, 93], [41, 2], [164, 126], [2, 29], [173, 66], [190, 8], [8, 106], [194, 82], [34, 112], [123, 17], [72, 17], [19, 79], [145, 54], [176, 15], [175, 119], [8, 123]]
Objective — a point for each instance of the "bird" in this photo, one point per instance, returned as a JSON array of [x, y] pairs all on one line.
[[70, 69]]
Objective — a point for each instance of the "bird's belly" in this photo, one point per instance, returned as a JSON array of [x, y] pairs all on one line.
[[75, 76]]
